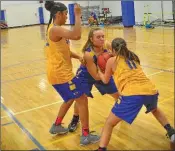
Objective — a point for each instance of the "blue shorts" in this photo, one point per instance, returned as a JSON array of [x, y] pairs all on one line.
[[129, 106], [70, 90], [109, 88], [87, 82]]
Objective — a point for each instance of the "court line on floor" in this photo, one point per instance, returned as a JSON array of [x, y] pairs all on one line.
[[36, 60], [30, 136], [60, 101], [39, 107], [28, 77], [24, 62], [2, 99], [5, 124], [165, 70], [24, 71], [157, 72], [142, 42]]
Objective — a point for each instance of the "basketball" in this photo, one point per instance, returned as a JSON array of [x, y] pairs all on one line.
[[102, 60]]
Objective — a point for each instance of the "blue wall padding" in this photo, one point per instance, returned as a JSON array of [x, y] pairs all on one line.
[[41, 15], [128, 13]]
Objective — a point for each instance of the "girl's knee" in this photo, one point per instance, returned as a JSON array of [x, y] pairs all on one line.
[[113, 120], [111, 123], [69, 103], [154, 110], [82, 99]]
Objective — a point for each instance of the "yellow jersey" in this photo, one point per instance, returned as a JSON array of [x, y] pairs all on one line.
[[58, 56], [131, 80]]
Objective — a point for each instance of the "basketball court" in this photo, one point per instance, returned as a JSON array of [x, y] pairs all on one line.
[[29, 104]]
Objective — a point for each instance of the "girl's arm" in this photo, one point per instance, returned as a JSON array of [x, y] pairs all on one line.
[[91, 66]]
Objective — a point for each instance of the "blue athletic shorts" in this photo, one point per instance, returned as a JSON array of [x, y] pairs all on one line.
[[87, 82], [109, 88], [70, 90], [129, 106]]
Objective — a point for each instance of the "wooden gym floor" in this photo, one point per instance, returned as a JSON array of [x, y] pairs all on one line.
[[29, 104]]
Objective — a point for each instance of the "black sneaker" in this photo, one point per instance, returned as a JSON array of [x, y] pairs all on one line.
[[73, 126]]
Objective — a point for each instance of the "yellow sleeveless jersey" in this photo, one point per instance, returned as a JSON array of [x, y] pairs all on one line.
[[59, 65], [131, 80]]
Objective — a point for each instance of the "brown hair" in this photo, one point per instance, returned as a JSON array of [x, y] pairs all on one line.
[[120, 48], [53, 8]]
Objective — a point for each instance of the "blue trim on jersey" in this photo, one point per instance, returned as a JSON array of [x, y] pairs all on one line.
[[133, 63], [129, 64]]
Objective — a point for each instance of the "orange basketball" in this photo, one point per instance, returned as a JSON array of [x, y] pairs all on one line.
[[102, 60]]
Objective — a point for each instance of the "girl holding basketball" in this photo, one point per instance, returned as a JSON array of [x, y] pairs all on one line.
[[59, 68], [88, 73], [135, 89]]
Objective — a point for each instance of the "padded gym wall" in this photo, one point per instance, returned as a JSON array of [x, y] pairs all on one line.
[[128, 13]]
